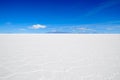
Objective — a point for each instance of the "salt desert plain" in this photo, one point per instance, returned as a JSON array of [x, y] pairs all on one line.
[[59, 57]]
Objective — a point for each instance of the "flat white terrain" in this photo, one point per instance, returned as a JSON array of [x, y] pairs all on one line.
[[59, 57]]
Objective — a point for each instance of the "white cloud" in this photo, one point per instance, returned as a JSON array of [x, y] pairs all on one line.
[[38, 26]]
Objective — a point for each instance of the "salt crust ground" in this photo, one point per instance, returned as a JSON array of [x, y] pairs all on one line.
[[59, 57]]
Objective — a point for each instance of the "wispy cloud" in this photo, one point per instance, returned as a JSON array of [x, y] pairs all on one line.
[[116, 27], [22, 29], [96, 28], [88, 29], [57, 30], [114, 22], [84, 29], [8, 23], [110, 27], [102, 6], [38, 26]]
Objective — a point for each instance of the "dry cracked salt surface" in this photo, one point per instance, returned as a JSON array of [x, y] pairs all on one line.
[[59, 57]]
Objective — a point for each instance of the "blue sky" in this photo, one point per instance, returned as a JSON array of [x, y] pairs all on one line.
[[60, 16]]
